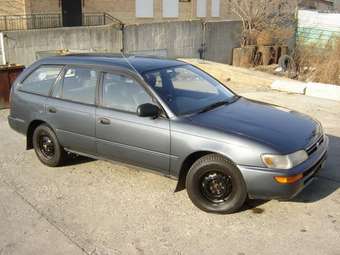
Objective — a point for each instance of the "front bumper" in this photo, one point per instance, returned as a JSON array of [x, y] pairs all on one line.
[[262, 185]]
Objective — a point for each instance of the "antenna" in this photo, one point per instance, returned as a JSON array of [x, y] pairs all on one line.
[[129, 63]]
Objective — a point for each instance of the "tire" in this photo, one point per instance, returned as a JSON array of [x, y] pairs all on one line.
[[214, 184], [52, 154]]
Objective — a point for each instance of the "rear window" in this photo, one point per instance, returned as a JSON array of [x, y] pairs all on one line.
[[41, 80]]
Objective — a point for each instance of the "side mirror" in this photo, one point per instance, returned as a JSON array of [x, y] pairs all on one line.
[[148, 110]]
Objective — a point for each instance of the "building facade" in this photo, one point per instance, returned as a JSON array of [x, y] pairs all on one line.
[[72, 12], [128, 11]]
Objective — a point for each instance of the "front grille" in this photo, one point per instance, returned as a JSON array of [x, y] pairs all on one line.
[[314, 169], [315, 146]]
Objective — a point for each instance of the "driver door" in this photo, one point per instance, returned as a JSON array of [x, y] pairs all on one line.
[[124, 136]]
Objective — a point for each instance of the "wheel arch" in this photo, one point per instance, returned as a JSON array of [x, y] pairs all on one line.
[[188, 162], [30, 130]]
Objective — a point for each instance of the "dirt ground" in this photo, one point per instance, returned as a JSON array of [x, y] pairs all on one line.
[[96, 207]]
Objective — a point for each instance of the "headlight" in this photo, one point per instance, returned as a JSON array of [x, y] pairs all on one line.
[[284, 161]]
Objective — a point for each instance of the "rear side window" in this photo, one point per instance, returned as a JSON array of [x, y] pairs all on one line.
[[41, 80], [79, 85]]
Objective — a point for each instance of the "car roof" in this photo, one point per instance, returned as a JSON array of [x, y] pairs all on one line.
[[141, 63]]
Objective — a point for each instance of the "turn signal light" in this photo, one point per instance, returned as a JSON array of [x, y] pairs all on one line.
[[288, 179]]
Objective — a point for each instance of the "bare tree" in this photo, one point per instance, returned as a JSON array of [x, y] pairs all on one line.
[[259, 15]]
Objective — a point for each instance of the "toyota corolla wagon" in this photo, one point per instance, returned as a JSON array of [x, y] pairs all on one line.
[[171, 117]]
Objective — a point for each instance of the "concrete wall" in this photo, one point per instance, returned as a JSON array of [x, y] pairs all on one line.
[[220, 38], [184, 38], [21, 46], [171, 39]]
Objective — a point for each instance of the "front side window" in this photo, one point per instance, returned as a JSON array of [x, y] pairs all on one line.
[[186, 89], [79, 85], [120, 92], [41, 80]]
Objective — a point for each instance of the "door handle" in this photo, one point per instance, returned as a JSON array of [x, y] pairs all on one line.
[[52, 110], [104, 121]]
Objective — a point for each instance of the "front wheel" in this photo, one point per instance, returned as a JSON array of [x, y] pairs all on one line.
[[47, 147], [215, 184]]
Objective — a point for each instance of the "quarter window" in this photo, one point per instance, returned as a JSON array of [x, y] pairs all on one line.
[[123, 93], [41, 80], [79, 85]]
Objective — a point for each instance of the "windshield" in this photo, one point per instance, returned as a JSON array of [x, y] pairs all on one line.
[[187, 89]]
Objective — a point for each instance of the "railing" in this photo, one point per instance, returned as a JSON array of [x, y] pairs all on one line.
[[98, 19], [52, 20]]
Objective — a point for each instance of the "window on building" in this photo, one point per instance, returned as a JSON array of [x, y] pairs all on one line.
[[215, 8], [144, 8], [41, 80], [201, 8], [170, 8]]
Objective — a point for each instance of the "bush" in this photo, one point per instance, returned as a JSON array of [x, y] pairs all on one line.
[[317, 64]]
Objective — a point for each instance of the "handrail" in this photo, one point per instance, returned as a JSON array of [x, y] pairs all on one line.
[[53, 20]]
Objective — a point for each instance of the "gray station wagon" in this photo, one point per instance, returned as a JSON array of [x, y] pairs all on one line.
[[171, 117]]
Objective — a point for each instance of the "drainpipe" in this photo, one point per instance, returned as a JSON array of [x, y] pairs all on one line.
[[122, 28], [203, 48], [2, 48]]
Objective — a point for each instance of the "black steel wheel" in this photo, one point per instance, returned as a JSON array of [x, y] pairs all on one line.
[[215, 184], [47, 147]]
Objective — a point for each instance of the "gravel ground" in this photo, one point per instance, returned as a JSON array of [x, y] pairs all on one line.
[[96, 207]]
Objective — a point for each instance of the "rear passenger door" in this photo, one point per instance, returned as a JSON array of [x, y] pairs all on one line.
[[71, 109], [123, 135]]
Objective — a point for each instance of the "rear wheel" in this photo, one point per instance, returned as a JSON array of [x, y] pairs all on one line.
[[47, 147], [215, 184]]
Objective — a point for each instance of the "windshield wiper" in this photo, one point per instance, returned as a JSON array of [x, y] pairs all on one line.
[[214, 105]]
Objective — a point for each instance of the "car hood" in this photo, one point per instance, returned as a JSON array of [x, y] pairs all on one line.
[[284, 130]]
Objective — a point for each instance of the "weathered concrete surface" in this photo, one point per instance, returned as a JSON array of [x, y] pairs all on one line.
[[21, 46], [184, 38], [23, 230], [327, 91], [293, 86], [171, 39], [313, 89], [167, 39], [220, 38], [109, 208]]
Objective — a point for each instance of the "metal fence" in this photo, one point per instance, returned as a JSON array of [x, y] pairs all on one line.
[[51, 20], [318, 28]]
